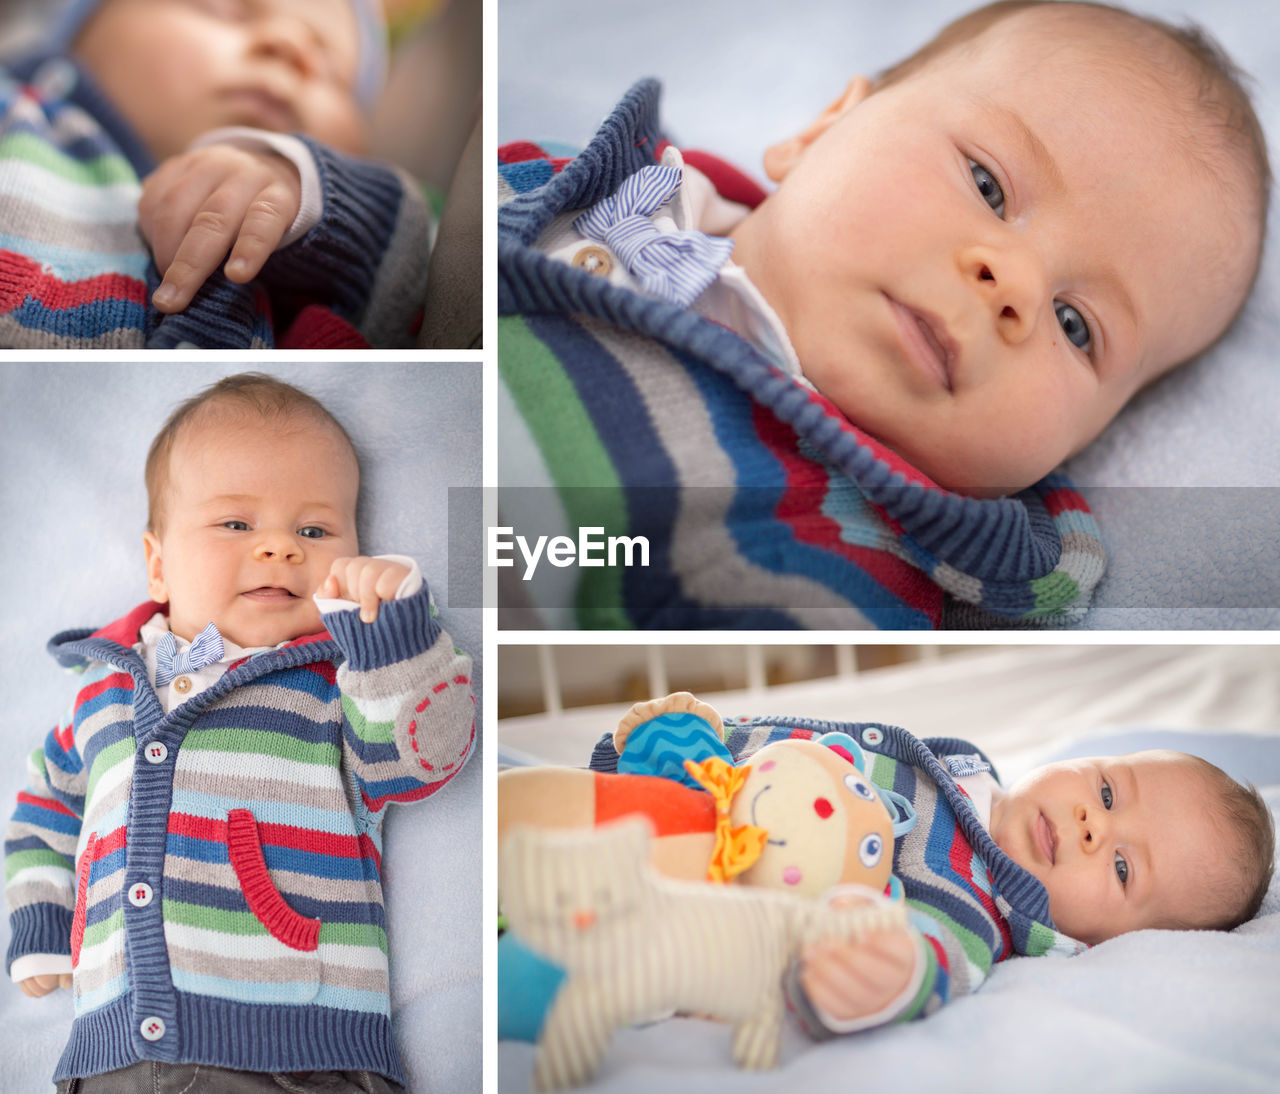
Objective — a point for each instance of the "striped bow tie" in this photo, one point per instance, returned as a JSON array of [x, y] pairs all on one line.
[[172, 662], [675, 266]]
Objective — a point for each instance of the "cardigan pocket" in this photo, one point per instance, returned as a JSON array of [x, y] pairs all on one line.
[[285, 966]]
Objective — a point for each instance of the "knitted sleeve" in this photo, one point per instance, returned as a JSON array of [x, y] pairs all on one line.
[[409, 713], [367, 257], [40, 848]]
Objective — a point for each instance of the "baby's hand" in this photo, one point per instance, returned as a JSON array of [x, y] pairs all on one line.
[[199, 205], [36, 986], [369, 581], [849, 979]]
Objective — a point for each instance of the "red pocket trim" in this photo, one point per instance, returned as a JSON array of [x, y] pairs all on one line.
[[287, 926], [82, 900]]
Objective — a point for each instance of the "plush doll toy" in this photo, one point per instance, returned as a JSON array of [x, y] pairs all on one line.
[[798, 815], [632, 943]]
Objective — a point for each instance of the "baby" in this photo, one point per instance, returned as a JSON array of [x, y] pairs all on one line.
[[199, 852], [1073, 854], [973, 260], [182, 173]]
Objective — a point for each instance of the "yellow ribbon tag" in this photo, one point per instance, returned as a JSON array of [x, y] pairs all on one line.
[[736, 849]]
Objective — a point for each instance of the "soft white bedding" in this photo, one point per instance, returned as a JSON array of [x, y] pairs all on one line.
[[73, 438], [742, 74], [1151, 1011]]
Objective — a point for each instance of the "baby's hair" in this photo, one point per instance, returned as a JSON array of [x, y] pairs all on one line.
[[1220, 91], [1240, 811], [248, 392]]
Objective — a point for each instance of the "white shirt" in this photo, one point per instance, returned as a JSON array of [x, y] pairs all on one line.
[[732, 300]]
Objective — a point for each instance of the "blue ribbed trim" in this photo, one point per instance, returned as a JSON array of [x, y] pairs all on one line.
[[403, 629], [1005, 542], [341, 254], [38, 928], [247, 1037]]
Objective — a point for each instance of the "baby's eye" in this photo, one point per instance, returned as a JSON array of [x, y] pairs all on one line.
[[1106, 795], [1122, 869], [235, 525], [1073, 325], [987, 186], [312, 532]]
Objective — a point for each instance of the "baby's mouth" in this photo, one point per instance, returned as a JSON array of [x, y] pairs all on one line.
[[926, 340], [1046, 838], [269, 594]]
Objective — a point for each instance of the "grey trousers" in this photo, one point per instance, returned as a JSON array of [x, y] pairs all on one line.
[[148, 1077]]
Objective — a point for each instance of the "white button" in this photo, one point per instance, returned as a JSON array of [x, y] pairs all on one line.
[[872, 736], [140, 894], [152, 1028], [156, 753], [595, 260]]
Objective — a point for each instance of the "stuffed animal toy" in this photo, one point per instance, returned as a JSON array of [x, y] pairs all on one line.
[[798, 815], [633, 943]]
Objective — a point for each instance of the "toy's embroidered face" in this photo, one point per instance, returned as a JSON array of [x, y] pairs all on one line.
[[826, 823], [571, 900]]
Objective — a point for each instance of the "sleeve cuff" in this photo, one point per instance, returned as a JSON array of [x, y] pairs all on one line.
[[403, 629], [39, 929], [292, 149], [39, 964]]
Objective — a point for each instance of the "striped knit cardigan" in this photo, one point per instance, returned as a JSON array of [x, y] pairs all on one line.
[[764, 507], [75, 272], [971, 902], [215, 872]]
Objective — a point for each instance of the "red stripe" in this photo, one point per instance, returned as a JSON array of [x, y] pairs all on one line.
[[272, 835], [66, 737], [51, 804], [105, 845], [800, 508], [1064, 499], [20, 278], [115, 680]]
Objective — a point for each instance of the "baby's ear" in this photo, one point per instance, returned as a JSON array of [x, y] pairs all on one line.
[[780, 158], [156, 588]]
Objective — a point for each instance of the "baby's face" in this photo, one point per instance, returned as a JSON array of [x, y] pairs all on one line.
[[1120, 842], [178, 68], [980, 264], [253, 516]]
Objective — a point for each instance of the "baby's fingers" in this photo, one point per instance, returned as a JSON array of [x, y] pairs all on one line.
[[212, 232], [265, 223]]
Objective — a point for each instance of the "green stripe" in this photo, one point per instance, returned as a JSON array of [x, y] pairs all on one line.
[[246, 923], [104, 170], [100, 932], [575, 456], [975, 948], [36, 856], [1053, 592], [261, 742], [372, 732], [120, 752], [1040, 939]]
